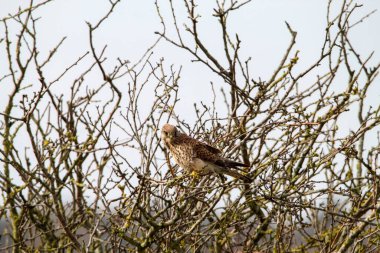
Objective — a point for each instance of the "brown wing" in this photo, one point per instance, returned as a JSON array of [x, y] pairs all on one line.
[[211, 149], [230, 164], [206, 152], [183, 138], [203, 151]]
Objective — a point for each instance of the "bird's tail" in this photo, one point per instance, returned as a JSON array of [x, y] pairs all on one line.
[[230, 164], [236, 175]]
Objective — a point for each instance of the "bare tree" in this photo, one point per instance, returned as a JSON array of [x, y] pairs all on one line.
[[85, 171]]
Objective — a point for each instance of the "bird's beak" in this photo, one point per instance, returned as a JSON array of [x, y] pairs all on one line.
[[165, 137]]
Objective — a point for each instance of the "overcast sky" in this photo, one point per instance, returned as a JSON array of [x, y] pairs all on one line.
[[130, 30]]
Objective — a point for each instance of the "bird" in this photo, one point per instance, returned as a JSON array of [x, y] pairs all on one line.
[[195, 156]]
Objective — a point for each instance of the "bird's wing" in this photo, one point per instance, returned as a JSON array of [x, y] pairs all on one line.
[[230, 163], [197, 145], [223, 166], [203, 151], [211, 149], [207, 153], [201, 146]]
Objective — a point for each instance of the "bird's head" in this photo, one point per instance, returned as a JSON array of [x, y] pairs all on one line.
[[168, 133]]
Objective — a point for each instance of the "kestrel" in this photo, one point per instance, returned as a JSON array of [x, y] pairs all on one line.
[[195, 156]]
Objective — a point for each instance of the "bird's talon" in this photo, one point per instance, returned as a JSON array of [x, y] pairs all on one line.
[[194, 174]]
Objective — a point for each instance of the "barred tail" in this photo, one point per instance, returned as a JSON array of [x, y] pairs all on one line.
[[230, 164], [236, 175]]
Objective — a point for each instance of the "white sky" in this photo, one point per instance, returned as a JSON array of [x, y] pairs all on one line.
[[130, 30]]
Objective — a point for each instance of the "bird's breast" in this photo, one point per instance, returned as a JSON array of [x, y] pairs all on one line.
[[182, 155]]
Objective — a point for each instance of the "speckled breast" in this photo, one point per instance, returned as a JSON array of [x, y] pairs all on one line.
[[182, 155]]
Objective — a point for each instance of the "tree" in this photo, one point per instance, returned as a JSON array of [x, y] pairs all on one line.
[[84, 168]]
